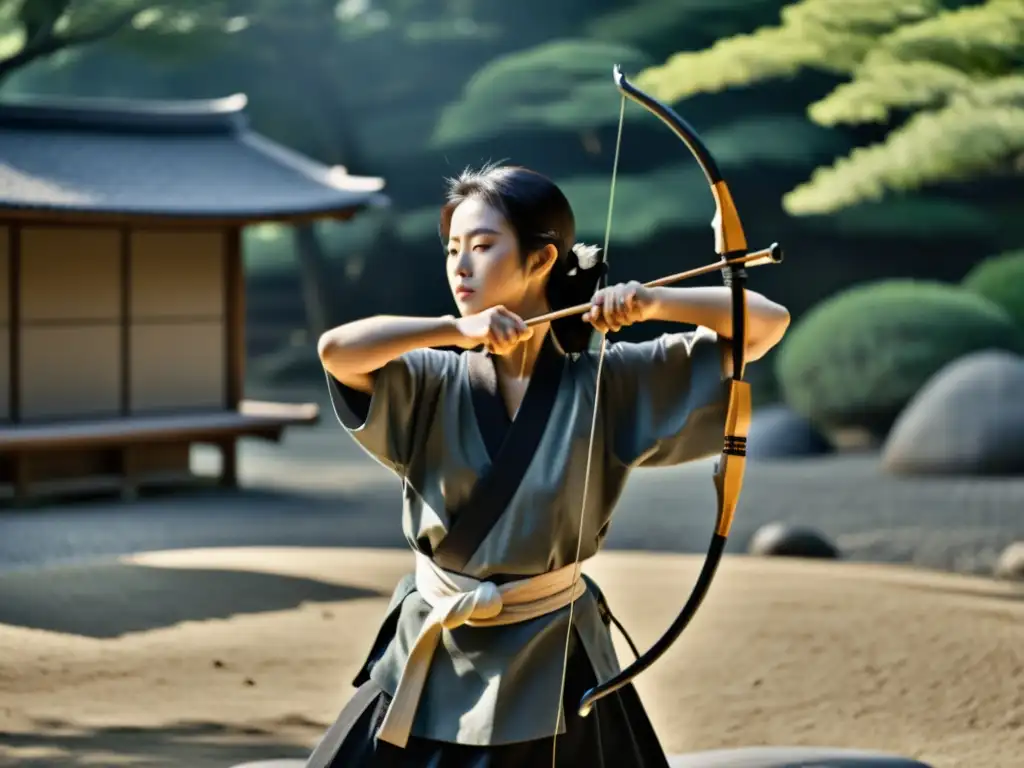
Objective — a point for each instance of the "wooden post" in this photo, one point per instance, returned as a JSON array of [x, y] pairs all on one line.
[[234, 345], [20, 471], [126, 321], [229, 463], [234, 318], [14, 320]]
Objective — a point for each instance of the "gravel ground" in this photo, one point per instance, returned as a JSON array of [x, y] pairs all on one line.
[[318, 488]]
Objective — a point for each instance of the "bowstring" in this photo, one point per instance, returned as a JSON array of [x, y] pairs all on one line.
[[590, 442]]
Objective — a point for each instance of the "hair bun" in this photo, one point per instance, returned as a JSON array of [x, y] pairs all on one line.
[[583, 257]]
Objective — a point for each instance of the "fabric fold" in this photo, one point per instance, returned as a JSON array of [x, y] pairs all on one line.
[[458, 600]]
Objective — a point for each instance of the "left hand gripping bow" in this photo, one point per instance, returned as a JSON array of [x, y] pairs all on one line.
[[730, 245]]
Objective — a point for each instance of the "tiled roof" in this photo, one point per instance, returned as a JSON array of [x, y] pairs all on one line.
[[191, 159]]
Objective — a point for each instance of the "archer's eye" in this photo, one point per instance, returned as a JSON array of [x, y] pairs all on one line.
[[482, 247]]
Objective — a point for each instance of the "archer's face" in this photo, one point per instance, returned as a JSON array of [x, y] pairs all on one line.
[[484, 266]]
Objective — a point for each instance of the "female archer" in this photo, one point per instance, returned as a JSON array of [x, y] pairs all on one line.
[[486, 648]]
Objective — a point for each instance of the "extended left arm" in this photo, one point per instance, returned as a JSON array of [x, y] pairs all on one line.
[[627, 303], [712, 307]]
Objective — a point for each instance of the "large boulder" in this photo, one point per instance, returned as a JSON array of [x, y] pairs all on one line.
[[782, 540], [967, 420], [777, 432]]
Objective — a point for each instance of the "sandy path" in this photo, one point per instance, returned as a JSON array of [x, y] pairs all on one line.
[[209, 657]]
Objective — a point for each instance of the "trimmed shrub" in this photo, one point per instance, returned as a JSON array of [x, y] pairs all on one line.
[[1000, 279], [857, 359]]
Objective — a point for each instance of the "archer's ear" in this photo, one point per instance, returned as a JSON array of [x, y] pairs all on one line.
[[542, 261]]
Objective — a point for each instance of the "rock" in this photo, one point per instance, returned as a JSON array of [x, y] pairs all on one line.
[[967, 420], [777, 432], [1010, 565], [782, 540]]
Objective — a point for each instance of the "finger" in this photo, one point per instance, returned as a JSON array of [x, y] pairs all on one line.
[[609, 311], [628, 314], [494, 338], [629, 299], [515, 328], [510, 316], [619, 310], [508, 327]]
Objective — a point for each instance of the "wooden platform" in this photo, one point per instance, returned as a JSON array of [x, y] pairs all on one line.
[[126, 453]]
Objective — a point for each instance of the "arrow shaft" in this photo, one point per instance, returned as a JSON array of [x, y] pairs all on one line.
[[753, 259]]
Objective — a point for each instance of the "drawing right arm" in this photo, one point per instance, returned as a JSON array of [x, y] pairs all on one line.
[[354, 352]]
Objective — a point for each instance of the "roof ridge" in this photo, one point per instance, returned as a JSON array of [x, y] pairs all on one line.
[[120, 115]]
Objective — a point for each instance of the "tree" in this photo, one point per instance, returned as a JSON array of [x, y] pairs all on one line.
[[946, 78], [34, 30], [560, 85]]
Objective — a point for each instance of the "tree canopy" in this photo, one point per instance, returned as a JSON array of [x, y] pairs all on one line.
[[947, 78]]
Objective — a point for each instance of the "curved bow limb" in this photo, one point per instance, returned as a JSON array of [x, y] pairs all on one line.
[[729, 235], [731, 245]]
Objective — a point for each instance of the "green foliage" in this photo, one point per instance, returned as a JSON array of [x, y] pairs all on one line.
[[882, 87], [958, 69], [674, 196], [831, 35], [772, 139], [856, 359], [984, 39], [1000, 279], [923, 217], [649, 21], [671, 196], [974, 135], [34, 30], [562, 85], [269, 247]]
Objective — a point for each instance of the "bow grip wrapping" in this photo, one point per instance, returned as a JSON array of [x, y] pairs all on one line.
[[732, 463]]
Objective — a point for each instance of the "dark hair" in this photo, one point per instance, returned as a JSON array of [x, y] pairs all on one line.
[[539, 214]]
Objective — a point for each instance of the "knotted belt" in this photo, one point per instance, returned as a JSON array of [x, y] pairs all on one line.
[[458, 600]]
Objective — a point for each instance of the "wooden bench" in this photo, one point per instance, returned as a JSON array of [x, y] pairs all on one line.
[[126, 453]]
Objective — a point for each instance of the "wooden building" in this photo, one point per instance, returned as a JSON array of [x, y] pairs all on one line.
[[121, 285]]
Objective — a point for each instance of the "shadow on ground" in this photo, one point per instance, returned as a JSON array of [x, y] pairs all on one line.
[[111, 599], [86, 531], [178, 745]]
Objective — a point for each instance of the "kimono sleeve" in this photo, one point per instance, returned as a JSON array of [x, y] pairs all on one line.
[[666, 399], [405, 391]]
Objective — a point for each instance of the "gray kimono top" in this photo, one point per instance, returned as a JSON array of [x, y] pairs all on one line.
[[436, 423]]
